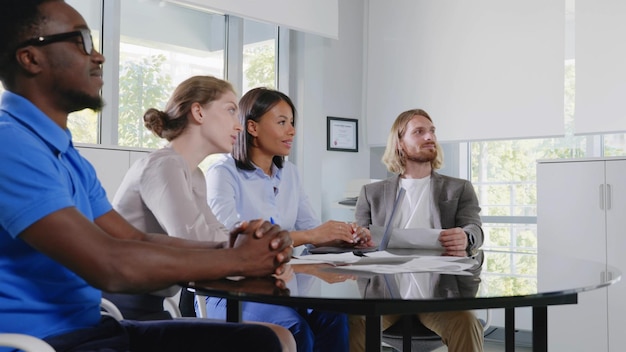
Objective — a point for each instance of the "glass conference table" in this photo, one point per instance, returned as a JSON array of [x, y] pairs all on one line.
[[481, 281]]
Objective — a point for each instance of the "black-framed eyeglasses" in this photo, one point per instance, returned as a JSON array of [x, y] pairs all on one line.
[[84, 33]]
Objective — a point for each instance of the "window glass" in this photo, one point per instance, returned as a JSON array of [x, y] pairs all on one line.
[[504, 175], [84, 124], [258, 63], [615, 144], [161, 45], [259, 55]]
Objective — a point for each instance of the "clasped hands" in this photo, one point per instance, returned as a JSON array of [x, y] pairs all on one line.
[[264, 248]]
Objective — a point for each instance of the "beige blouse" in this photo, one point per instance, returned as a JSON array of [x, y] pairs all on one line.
[[159, 194]]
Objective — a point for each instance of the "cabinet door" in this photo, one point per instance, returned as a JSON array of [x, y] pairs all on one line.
[[570, 218], [570, 221], [110, 164], [616, 250]]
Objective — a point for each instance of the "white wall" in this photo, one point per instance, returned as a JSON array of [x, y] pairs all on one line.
[[111, 163], [327, 80]]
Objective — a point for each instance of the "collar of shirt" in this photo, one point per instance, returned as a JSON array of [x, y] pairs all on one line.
[[257, 173], [29, 116]]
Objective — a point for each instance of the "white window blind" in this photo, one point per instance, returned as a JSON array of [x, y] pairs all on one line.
[[312, 16], [600, 66], [483, 69]]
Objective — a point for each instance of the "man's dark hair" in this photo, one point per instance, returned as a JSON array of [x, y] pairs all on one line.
[[19, 20]]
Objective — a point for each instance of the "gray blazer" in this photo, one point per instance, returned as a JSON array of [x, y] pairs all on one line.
[[454, 204]]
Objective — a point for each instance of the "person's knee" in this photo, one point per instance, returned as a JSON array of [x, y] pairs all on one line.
[[447, 324], [285, 336], [467, 320]]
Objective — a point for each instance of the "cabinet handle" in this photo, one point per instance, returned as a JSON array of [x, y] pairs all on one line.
[[601, 191], [608, 196], [609, 275]]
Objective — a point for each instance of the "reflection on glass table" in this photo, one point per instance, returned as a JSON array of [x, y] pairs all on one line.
[[355, 289]]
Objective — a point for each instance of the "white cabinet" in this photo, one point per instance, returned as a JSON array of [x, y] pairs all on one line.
[[579, 207], [111, 163], [616, 251]]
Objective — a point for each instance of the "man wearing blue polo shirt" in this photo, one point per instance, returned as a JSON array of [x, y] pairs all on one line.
[[60, 241]]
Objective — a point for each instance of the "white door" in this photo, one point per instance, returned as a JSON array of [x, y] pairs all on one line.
[[570, 222]]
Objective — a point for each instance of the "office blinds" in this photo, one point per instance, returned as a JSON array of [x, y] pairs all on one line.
[[483, 69], [600, 66], [311, 16]]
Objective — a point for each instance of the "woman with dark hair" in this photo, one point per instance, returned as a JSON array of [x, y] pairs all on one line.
[[257, 182]]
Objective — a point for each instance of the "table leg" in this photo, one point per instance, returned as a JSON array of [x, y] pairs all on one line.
[[407, 327], [233, 311], [509, 329], [540, 329], [373, 333]]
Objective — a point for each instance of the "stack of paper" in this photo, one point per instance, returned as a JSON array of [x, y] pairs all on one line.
[[384, 262]]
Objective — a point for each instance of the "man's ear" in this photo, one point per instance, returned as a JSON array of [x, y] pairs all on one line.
[[29, 59], [251, 127]]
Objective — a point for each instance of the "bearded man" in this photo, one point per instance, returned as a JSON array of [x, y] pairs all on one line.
[[431, 201]]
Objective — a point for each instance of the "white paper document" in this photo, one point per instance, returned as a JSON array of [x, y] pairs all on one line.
[[384, 262], [350, 258], [421, 238], [417, 265]]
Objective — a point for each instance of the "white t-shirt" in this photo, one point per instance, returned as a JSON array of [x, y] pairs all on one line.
[[415, 207]]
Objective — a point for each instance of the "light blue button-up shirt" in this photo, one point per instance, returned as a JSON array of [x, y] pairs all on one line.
[[236, 195]]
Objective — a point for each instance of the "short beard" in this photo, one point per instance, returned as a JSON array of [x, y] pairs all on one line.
[[77, 101], [422, 157]]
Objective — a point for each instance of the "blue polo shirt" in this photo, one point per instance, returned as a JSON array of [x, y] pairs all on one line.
[[41, 172]]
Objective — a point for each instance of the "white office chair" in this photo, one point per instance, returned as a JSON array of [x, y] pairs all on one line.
[[170, 305], [201, 305], [109, 308], [29, 343], [25, 343]]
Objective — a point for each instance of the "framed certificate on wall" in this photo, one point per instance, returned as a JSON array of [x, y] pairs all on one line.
[[342, 134]]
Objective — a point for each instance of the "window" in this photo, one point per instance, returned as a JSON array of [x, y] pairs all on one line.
[[504, 176], [615, 144], [259, 55], [154, 58], [150, 47], [84, 124]]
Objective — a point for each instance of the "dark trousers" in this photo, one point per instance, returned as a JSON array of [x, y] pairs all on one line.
[[139, 306], [169, 335]]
